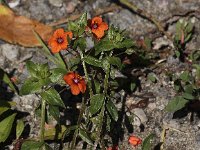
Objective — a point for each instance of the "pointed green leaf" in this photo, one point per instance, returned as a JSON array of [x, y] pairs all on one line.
[[83, 19], [5, 105], [30, 86], [116, 61], [19, 128], [176, 103], [81, 43], [4, 77], [53, 133], [188, 96], [127, 43], [112, 110], [104, 46], [32, 145], [185, 76], [92, 61], [6, 126], [96, 103], [85, 137], [54, 111], [57, 74], [146, 145], [52, 98], [32, 68]]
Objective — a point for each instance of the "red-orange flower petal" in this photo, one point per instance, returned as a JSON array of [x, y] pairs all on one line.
[[82, 86], [59, 41], [97, 20], [70, 34], [68, 78], [76, 83], [97, 27], [75, 89], [135, 141]]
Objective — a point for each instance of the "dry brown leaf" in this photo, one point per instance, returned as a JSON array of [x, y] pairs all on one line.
[[17, 29]]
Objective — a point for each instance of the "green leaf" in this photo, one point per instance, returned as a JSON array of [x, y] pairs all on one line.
[[53, 133], [6, 126], [73, 63], [185, 76], [132, 86], [112, 110], [189, 88], [176, 104], [32, 145], [97, 86], [30, 86], [127, 43], [68, 130], [115, 61], [146, 145], [178, 54], [83, 19], [85, 136], [57, 74], [19, 128], [108, 123], [52, 98], [152, 77], [5, 105], [104, 46], [188, 96], [96, 103], [92, 61], [4, 77], [54, 111], [81, 43], [32, 69]]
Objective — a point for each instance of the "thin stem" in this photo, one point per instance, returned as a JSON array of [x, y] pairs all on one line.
[[100, 139], [86, 75], [42, 121], [83, 107], [78, 123]]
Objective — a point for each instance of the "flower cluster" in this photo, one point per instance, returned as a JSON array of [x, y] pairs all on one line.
[[59, 41]]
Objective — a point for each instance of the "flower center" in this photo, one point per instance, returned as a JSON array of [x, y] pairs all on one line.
[[95, 26], [76, 80], [60, 40]]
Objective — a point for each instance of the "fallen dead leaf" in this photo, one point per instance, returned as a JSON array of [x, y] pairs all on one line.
[[17, 29]]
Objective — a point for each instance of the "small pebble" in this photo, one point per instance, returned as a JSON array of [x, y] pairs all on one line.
[[56, 3]]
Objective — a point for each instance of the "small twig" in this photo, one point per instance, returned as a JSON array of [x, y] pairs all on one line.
[[98, 12], [145, 14]]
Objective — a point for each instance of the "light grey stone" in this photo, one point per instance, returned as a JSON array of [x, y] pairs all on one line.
[[56, 3], [11, 52]]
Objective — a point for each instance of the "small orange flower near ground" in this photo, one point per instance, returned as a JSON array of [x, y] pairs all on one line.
[[113, 148], [135, 141], [59, 41], [76, 83], [97, 26]]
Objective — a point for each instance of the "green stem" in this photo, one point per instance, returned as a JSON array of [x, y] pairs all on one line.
[[86, 74], [100, 139], [83, 106], [42, 121]]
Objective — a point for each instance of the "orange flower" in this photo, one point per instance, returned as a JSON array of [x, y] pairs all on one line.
[[113, 148], [59, 41], [98, 26], [135, 141], [76, 82]]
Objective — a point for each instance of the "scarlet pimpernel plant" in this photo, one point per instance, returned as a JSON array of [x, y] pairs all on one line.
[[85, 72]]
